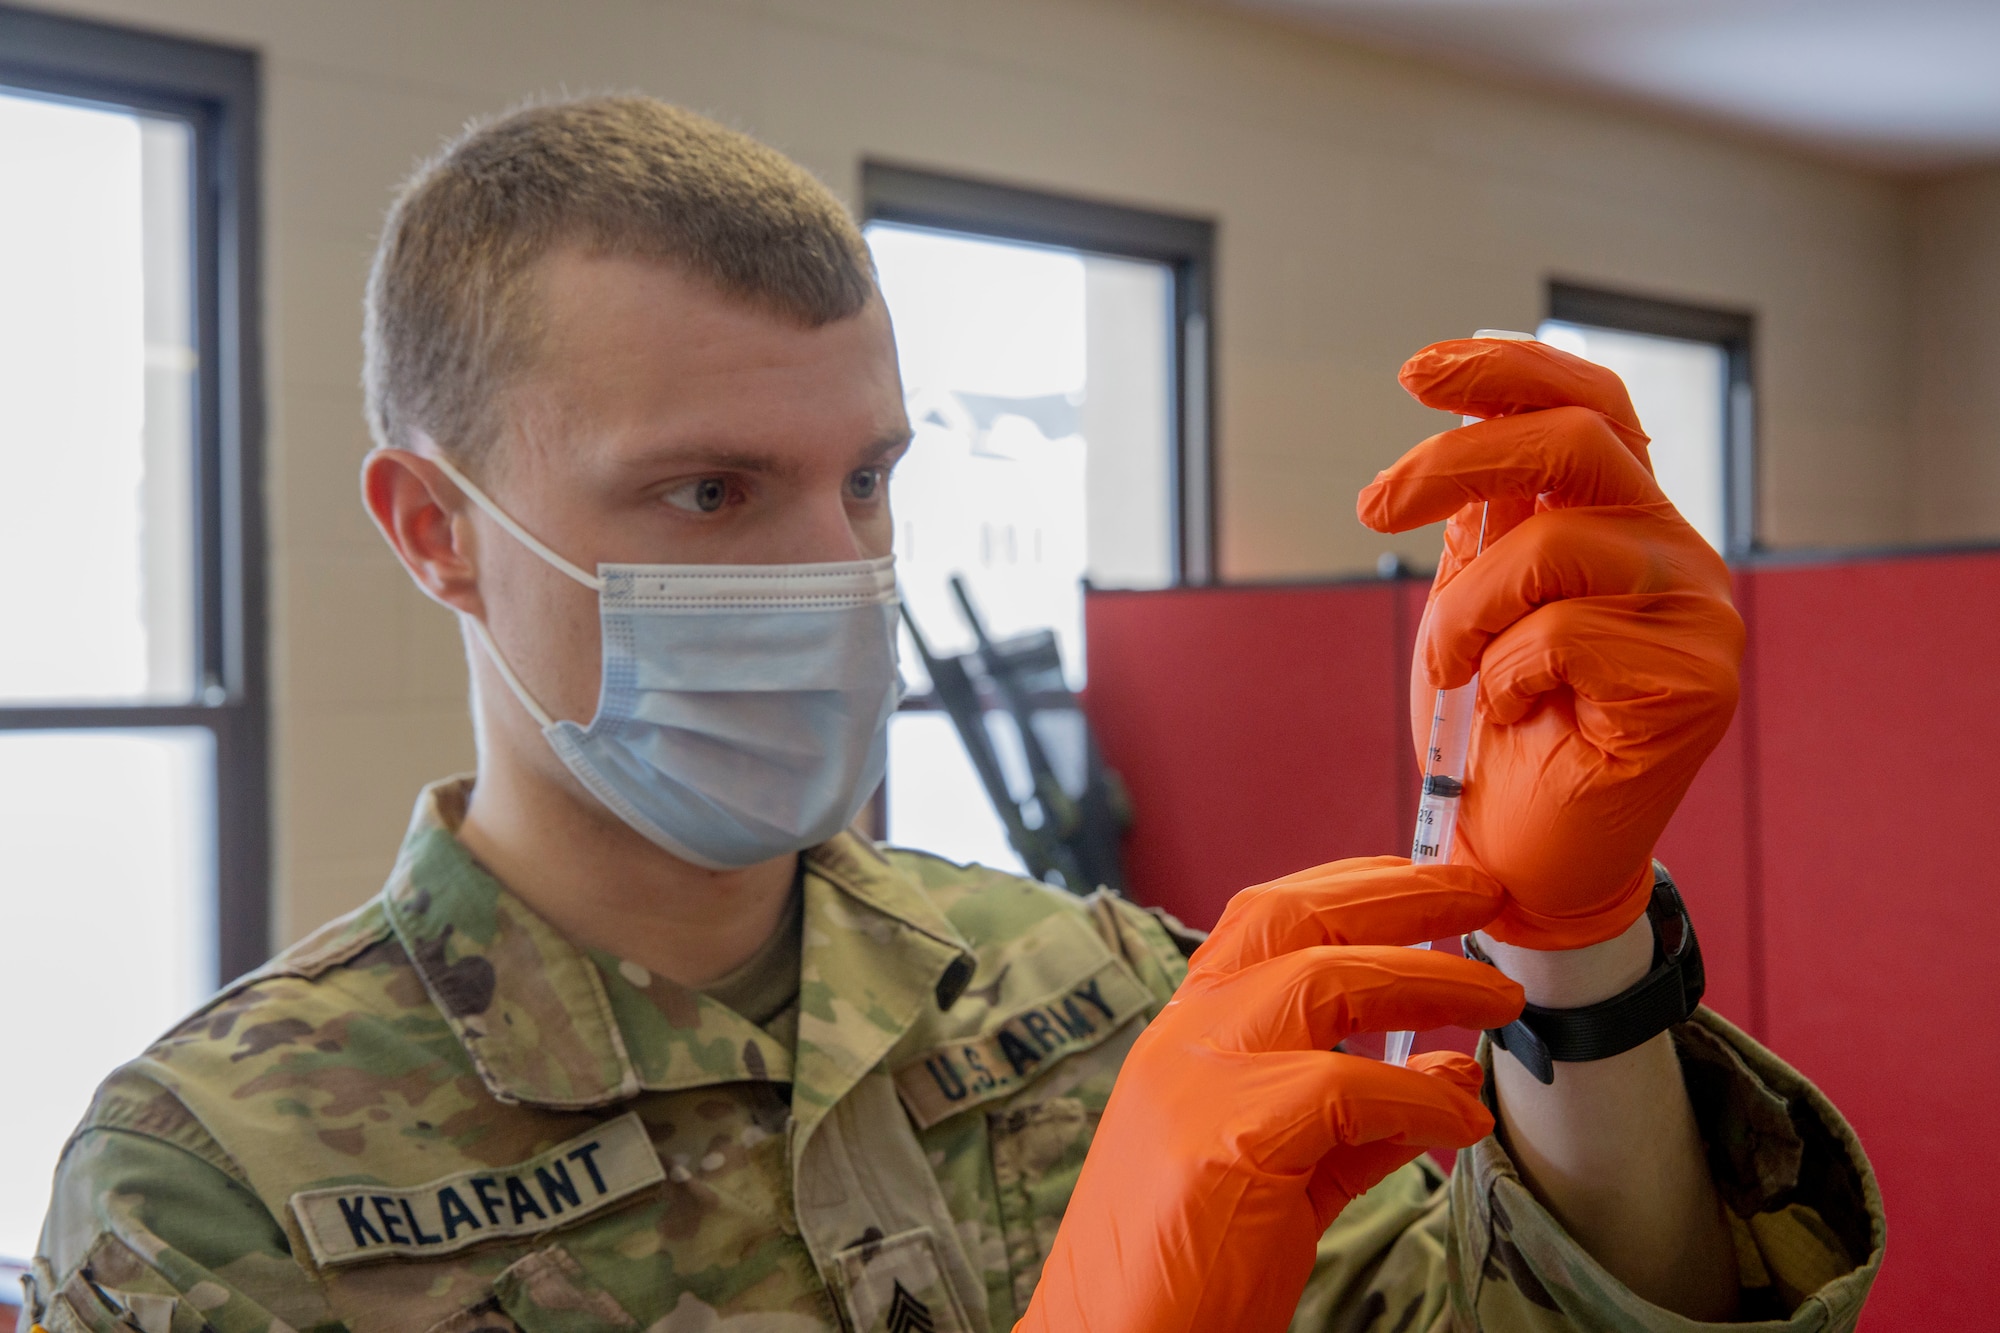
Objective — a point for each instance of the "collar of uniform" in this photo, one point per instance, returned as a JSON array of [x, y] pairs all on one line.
[[545, 1022], [876, 950]]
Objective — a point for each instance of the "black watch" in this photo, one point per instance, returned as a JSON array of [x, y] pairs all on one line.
[[1666, 995]]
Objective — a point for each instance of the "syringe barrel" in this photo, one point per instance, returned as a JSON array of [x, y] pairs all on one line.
[[1444, 774], [1451, 732], [1437, 822]]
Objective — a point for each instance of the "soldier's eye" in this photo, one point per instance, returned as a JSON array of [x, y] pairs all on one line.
[[705, 495], [866, 483]]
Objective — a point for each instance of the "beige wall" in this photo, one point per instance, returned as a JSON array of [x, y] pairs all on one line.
[[1367, 206], [1955, 358]]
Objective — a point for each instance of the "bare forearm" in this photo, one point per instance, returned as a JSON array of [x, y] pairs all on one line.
[[1611, 1147]]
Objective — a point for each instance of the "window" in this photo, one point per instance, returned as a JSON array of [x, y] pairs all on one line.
[[132, 756], [1054, 356], [1688, 370]]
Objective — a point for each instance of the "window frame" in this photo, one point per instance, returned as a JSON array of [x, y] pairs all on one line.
[[215, 90], [915, 197], [1735, 332]]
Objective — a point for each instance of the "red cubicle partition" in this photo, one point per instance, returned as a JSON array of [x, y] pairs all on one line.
[[1839, 851], [1258, 730]]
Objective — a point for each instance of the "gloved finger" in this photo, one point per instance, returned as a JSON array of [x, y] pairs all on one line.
[[1473, 529], [1565, 456], [1335, 1101], [1313, 999], [1488, 377], [1559, 554], [1351, 1172], [1630, 685], [1454, 1067], [1366, 900]]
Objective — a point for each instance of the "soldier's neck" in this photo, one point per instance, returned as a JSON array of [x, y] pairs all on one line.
[[604, 886]]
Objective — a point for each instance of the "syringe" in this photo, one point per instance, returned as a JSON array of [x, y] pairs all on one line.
[[1444, 761]]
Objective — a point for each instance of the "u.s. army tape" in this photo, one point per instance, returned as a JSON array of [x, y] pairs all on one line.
[[950, 1078]]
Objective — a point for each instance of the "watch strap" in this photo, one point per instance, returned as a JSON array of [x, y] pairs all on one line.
[[1666, 995]]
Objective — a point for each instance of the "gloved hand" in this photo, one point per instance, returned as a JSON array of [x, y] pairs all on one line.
[[1235, 1134], [1598, 620]]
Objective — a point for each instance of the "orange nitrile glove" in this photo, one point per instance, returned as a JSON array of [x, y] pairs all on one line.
[[1599, 623], [1235, 1134]]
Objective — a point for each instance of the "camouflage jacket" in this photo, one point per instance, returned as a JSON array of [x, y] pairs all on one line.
[[437, 1113]]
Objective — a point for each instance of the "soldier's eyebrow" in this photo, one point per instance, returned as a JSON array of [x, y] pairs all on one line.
[[715, 459], [883, 449], [682, 459], [675, 462]]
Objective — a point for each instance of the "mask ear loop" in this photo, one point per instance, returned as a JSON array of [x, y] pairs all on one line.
[[514, 684], [514, 530], [527, 539]]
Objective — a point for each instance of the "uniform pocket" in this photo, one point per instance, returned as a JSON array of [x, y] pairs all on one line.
[[549, 1292], [78, 1308], [98, 1296], [1037, 1152], [485, 1317]]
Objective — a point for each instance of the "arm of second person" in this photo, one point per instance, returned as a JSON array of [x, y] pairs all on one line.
[[1611, 1147]]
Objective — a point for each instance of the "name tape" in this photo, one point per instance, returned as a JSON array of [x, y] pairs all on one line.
[[351, 1224], [949, 1078]]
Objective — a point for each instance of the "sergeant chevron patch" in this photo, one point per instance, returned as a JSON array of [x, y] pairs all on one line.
[[896, 1284], [907, 1314]]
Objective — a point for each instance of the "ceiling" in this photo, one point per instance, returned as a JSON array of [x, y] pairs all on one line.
[[1908, 85]]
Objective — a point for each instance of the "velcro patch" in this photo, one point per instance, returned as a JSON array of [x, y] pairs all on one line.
[[947, 1079], [897, 1285], [351, 1224]]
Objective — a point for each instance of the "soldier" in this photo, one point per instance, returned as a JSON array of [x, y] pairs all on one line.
[[639, 1035]]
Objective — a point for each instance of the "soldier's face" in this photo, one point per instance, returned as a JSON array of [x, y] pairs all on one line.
[[665, 423]]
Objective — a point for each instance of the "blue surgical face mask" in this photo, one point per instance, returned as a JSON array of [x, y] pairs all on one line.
[[744, 709]]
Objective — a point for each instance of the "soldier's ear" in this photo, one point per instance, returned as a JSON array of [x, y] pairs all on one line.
[[427, 522]]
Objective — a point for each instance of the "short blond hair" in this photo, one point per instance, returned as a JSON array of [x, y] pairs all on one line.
[[451, 315]]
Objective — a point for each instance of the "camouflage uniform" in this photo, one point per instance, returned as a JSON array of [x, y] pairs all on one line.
[[436, 1113]]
